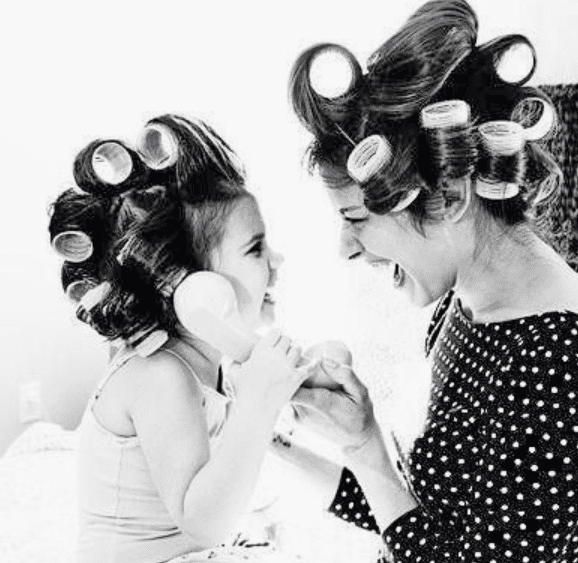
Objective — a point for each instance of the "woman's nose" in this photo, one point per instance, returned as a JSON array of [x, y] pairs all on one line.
[[349, 247]]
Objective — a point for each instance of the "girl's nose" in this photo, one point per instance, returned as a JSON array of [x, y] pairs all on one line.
[[349, 247]]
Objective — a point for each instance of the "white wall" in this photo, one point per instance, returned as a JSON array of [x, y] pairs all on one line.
[[73, 71]]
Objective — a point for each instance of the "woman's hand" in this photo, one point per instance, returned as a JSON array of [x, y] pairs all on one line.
[[344, 415], [333, 352], [270, 376]]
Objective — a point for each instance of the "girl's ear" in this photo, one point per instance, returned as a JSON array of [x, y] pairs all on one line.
[[458, 197]]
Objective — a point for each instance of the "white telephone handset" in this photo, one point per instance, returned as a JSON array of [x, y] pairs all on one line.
[[206, 305]]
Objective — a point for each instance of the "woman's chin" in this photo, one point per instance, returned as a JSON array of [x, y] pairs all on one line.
[[267, 314]]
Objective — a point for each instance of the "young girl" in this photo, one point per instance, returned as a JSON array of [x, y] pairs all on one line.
[[167, 459]]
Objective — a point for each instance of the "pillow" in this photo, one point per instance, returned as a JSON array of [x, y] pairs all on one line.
[[42, 436]]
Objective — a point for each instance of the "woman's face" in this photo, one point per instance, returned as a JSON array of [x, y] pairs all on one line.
[[421, 266], [247, 261]]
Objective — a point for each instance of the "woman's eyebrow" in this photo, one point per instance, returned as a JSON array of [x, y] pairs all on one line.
[[345, 210], [255, 238]]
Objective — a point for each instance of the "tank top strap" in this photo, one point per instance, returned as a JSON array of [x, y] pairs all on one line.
[[119, 359], [186, 364]]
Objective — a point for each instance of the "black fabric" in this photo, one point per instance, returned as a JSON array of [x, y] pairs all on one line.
[[496, 470], [563, 146]]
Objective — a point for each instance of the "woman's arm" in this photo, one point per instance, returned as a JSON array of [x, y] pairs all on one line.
[[515, 498], [321, 473], [346, 416]]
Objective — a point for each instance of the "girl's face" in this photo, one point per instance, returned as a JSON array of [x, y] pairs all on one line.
[[423, 267], [247, 261]]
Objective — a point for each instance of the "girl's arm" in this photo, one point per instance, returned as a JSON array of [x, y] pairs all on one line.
[[206, 494]]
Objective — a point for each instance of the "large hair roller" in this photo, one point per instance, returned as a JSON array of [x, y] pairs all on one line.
[[108, 168], [323, 88], [77, 280], [449, 140], [514, 58], [76, 226], [74, 246], [502, 164], [90, 300], [368, 160], [368, 157], [536, 115], [158, 146]]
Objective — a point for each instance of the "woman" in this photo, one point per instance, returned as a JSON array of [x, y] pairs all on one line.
[[432, 160], [169, 450]]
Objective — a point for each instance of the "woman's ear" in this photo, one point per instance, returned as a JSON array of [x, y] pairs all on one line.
[[458, 197]]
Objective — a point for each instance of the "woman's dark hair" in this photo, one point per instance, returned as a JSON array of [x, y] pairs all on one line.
[[148, 230], [433, 58]]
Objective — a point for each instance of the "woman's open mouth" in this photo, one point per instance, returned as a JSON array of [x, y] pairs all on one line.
[[398, 276], [397, 272], [268, 298]]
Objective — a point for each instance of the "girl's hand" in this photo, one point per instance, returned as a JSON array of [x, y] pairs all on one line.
[[270, 375], [344, 415]]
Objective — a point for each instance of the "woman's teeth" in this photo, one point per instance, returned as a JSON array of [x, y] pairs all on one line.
[[398, 276], [397, 272], [268, 298]]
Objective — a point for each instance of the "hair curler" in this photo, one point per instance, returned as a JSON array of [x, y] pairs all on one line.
[[158, 146], [109, 168], [368, 157], [74, 246], [500, 139], [448, 113], [332, 72], [544, 121], [112, 163], [205, 304], [517, 63]]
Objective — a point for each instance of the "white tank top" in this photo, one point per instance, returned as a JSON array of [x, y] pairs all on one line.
[[122, 517]]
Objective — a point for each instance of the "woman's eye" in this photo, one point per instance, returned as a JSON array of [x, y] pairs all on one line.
[[354, 219], [257, 249]]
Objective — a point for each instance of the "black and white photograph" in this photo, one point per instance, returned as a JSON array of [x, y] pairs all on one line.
[[289, 282]]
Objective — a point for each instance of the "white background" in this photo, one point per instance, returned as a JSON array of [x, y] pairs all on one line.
[[74, 71]]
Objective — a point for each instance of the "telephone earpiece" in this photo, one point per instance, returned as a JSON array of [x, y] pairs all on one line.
[[206, 305]]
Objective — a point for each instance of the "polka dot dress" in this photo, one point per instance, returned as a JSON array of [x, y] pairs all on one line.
[[496, 469]]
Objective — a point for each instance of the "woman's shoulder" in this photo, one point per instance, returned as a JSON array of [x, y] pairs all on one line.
[[546, 341]]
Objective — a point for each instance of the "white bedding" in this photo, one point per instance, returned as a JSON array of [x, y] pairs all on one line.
[[38, 509], [38, 497]]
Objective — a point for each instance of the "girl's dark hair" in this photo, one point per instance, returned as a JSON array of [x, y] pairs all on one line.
[[150, 230], [433, 58]]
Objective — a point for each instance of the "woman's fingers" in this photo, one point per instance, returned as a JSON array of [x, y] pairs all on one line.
[[345, 376], [314, 399], [293, 355], [283, 344]]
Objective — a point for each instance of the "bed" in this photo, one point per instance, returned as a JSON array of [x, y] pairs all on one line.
[[38, 522]]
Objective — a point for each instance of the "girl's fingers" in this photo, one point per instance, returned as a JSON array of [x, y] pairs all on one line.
[[283, 344], [272, 338]]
